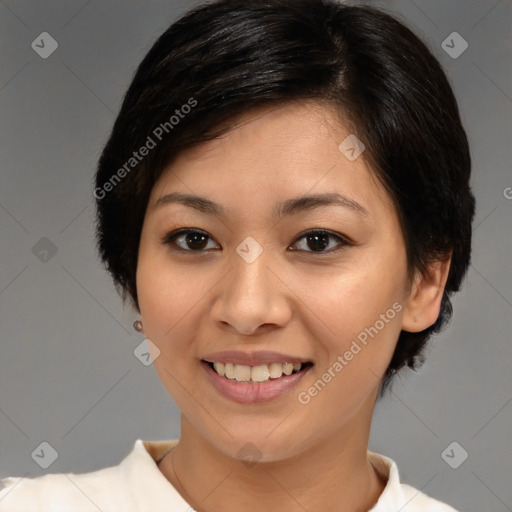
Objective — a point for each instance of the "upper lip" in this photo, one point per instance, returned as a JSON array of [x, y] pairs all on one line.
[[252, 358]]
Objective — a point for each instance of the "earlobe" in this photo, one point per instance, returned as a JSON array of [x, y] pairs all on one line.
[[137, 326], [424, 303]]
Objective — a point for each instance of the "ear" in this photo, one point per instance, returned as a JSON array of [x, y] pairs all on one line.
[[424, 302]]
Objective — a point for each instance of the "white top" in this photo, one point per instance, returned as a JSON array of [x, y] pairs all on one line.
[[137, 485]]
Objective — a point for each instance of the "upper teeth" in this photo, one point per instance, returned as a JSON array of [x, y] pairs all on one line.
[[260, 373]]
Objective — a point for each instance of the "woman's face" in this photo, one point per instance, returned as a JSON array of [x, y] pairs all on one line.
[[244, 284]]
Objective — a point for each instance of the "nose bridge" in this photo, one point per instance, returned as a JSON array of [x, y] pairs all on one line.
[[250, 279], [251, 296]]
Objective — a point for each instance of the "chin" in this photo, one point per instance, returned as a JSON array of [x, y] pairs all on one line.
[[256, 445]]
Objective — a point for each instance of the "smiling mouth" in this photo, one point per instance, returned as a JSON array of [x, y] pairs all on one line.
[[256, 374]]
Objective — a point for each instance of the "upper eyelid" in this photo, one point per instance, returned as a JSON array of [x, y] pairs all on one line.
[[322, 230], [345, 240]]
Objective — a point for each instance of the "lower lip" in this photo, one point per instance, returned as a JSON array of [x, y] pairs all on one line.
[[249, 393]]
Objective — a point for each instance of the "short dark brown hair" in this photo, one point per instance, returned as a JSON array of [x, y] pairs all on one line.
[[226, 57]]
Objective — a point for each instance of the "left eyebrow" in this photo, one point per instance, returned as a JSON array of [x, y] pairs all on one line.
[[310, 202], [286, 208]]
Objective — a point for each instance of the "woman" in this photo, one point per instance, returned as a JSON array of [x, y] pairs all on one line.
[[285, 200]]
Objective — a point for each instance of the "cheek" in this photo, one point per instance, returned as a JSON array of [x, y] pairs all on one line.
[[167, 307], [363, 311], [165, 290], [364, 324], [159, 298], [355, 299]]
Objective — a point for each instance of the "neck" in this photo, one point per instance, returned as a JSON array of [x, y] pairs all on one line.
[[333, 474]]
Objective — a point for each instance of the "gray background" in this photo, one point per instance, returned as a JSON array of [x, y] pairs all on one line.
[[68, 374]]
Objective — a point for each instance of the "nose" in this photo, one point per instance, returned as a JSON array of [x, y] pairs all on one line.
[[253, 297]]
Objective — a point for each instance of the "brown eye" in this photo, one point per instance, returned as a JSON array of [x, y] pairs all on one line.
[[318, 241], [315, 241], [190, 240]]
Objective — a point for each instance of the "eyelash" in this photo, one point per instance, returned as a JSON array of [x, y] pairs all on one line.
[[169, 240]]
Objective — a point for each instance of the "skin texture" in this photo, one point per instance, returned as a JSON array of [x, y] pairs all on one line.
[[302, 302]]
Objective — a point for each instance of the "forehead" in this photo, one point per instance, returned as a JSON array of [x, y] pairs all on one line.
[[275, 152], [298, 126]]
